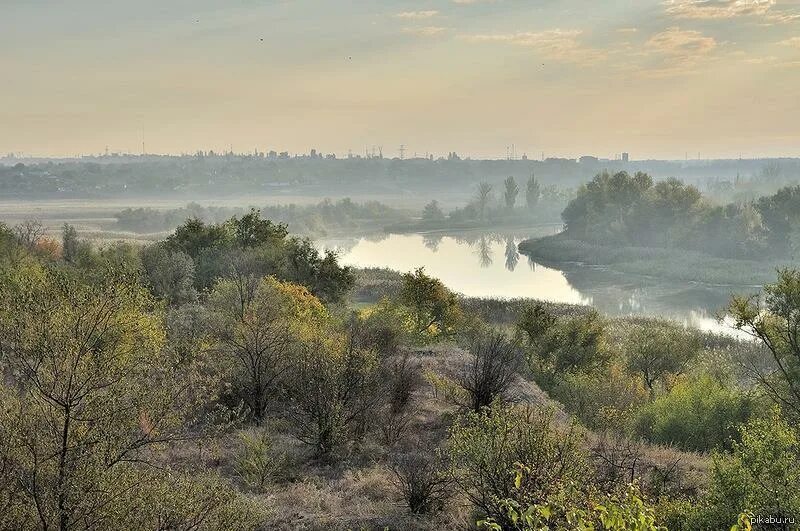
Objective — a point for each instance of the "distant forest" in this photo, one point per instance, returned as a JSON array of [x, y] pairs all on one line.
[[213, 175]]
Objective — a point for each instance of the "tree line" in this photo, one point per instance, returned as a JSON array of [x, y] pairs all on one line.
[[623, 209]]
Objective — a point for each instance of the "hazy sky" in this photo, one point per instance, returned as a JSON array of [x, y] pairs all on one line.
[[565, 77]]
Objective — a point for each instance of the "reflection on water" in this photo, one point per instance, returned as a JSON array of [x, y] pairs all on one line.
[[466, 263], [512, 254]]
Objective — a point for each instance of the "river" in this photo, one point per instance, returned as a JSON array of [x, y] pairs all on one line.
[[482, 264]]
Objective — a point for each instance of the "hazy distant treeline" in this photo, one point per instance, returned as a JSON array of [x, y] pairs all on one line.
[[316, 219], [203, 175]]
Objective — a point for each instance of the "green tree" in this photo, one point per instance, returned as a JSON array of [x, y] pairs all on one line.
[[251, 230], [195, 235], [260, 335], [334, 389], [532, 192], [89, 395], [660, 351], [760, 475], [696, 415], [511, 192], [577, 344], [432, 212], [435, 308], [169, 274], [776, 326], [69, 242]]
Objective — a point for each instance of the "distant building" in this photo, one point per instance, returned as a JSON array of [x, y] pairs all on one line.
[[586, 159], [626, 157]]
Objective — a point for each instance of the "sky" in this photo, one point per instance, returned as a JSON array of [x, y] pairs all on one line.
[[656, 78]]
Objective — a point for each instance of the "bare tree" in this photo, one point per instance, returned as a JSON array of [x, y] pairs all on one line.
[[29, 232], [422, 480], [491, 371]]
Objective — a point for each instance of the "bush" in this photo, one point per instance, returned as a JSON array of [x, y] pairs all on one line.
[[567, 345], [423, 481], [486, 448], [698, 414], [257, 463], [491, 370], [760, 475]]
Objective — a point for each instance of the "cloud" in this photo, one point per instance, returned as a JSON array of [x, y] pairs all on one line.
[[425, 31], [681, 43], [555, 44], [794, 42], [628, 30], [417, 15], [677, 52], [725, 9]]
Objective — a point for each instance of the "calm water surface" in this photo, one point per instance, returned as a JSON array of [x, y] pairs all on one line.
[[489, 265]]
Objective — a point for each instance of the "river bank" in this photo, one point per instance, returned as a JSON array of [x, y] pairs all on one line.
[[668, 264]]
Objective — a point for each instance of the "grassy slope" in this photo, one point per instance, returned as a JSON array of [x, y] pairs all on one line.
[[673, 264]]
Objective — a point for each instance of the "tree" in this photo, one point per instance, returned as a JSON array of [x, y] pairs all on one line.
[[69, 243], [491, 371], [532, 192], [511, 192], [169, 274], [88, 394], [260, 335], [556, 346], [698, 414], [251, 230], [435, 308], [777, 327], [483, 198], [322, 275], [195, 235], [29, 232], [432, 212], [659, 351], [333, 389]]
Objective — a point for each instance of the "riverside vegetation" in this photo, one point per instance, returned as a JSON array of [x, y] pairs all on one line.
[[224, 378], [669, 229]]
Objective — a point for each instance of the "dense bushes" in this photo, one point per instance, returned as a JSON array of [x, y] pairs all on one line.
[[487, 447], [696, 414]]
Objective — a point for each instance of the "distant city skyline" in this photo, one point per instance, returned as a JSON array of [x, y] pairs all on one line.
[[659, 79]]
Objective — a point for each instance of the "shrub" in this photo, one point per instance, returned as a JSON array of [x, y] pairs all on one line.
[[760, 475], [257, 463], [490, 371], [333, 389], [698, 414], [423, 481], [486, 448]]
